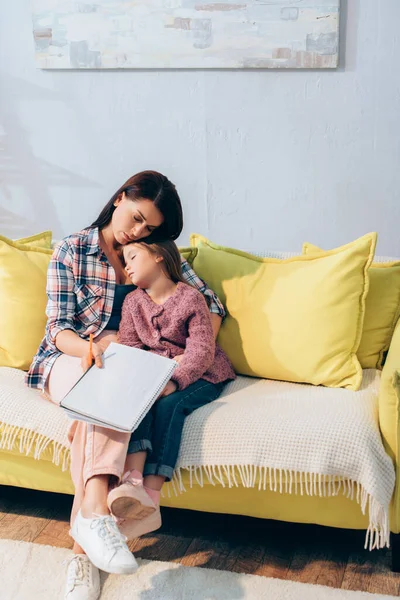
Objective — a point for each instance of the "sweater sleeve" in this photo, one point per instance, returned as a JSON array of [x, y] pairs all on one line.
[[127, 333], [200, 346]]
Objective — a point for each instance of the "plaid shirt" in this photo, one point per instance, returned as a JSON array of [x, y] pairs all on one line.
[[80, 290]]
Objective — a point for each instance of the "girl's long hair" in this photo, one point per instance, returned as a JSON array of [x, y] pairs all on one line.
[[172, 263], [150, 185]]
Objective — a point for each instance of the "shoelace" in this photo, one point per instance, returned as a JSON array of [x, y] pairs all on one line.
[[78, 572], [107, 529]]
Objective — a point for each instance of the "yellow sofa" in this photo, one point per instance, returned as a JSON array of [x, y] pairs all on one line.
[[21, 469], [18, 469]]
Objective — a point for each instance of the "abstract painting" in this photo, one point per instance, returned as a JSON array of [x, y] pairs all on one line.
[[186, 34]]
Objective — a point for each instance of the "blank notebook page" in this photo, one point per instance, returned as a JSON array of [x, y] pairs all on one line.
[[122, 392]]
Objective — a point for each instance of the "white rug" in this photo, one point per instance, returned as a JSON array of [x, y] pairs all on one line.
[[35, 572]]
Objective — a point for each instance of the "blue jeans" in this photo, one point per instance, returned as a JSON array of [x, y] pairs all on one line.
[[160, 432]]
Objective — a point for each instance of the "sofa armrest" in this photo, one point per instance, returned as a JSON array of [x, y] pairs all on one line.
[[389, 398], [389, 417]]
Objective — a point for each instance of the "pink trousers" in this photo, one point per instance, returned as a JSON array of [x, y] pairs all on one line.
[[94, 450]]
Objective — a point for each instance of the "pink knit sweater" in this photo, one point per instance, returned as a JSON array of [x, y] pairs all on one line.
[[181, 325]]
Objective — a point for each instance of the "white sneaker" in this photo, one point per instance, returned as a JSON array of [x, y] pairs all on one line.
[[104, 544], [83, 579]]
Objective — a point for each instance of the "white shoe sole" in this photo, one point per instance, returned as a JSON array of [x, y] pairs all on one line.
[[114, 569]]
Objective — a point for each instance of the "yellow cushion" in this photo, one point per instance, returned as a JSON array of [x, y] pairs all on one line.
[[382, 309], [298, 319], [188, 253], [23, 271], [41, 240]]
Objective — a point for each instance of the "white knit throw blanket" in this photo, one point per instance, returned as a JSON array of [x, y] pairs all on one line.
[[295, 438], [287, 437], [30, 423]]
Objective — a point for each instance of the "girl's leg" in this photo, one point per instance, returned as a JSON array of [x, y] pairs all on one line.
[[169, 418], [135, 462], [140, 444]]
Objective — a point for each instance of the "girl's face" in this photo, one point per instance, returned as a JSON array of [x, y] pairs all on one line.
[[134, 219], [142, 266]]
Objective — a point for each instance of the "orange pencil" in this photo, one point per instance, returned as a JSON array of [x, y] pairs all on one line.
[[91, 357]]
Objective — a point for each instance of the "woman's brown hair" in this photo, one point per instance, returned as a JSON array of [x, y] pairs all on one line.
[[150, 185]]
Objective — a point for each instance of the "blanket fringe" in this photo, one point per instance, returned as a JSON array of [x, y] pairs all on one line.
[[30, 443], [287, 481]]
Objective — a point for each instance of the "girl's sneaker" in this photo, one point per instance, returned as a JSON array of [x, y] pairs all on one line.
[[133, 528], [83, 579], [130, 500], [104, 544]]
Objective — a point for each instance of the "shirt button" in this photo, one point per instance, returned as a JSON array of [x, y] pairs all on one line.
[[155, 334]]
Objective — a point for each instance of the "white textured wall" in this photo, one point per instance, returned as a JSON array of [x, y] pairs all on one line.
[[261, 159]]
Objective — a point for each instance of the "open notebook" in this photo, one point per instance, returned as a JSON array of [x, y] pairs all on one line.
[[119, 395]]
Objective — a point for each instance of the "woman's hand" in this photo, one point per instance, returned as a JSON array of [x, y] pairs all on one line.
[[87, 360], [178, 358], [170, 388], [105, 340], [98, 348]]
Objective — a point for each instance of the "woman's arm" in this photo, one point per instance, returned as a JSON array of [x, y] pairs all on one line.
[[61, 305], [69, 342], [216, 322], [216, 307], [200, 346]]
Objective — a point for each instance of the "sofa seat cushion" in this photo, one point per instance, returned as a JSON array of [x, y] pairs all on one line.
[[292, 438], [30, 424]]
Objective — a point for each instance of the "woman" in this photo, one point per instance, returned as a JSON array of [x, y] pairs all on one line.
[[86, 286]]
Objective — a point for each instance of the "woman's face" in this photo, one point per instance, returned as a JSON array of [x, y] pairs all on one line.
[[134, 219]]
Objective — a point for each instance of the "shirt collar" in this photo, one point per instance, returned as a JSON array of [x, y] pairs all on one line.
[[93, 241]]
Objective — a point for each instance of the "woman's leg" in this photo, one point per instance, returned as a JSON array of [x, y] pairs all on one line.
[[96, 452], [65, 373], [130, 500]]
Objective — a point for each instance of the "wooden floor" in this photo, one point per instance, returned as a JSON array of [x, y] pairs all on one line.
[[305, 553]]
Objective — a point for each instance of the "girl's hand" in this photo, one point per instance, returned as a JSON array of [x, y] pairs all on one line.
[[178, 358], [87, 360], [170, 388]]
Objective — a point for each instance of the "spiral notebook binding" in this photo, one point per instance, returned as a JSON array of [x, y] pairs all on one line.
[[157, 392]]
